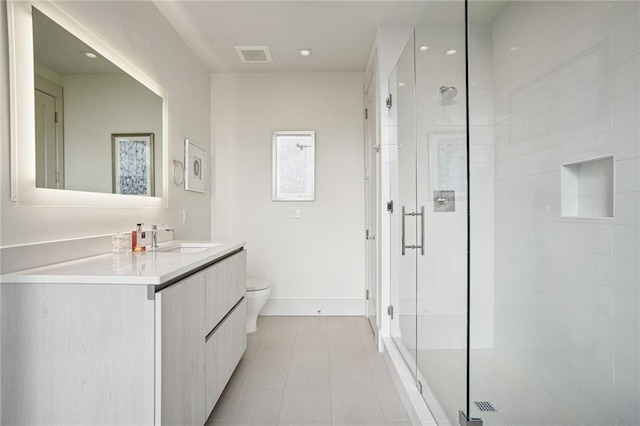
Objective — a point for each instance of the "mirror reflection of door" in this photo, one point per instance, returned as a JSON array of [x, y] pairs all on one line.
[[49, 135]]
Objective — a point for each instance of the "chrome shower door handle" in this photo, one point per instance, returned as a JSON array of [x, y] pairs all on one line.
[[402, 215], [421, 246], [422, 230]]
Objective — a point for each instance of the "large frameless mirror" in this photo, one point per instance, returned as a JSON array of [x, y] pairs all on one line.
[[72, 97]]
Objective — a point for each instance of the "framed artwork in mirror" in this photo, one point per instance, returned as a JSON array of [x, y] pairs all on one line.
[[132, 159], [195, 158], [293, 162]]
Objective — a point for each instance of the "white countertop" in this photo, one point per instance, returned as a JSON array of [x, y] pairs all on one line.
[[145, 268]]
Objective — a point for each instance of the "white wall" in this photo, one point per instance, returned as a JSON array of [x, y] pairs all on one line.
[[567, 289], [118, 104], [315, 262], [158, 51]]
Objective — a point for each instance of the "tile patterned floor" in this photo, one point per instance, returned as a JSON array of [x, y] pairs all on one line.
[[311, 371]]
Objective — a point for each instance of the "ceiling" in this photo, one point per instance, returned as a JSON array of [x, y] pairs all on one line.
[[340, 33], [62, 52]]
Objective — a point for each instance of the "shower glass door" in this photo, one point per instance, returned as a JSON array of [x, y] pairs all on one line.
[[402, 154], [441, 123], [429, 224]]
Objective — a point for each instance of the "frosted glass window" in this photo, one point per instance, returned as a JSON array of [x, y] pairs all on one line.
[[293, 166], [587, 188]]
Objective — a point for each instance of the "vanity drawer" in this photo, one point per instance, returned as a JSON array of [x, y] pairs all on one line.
[[225, 285], [223, 349]]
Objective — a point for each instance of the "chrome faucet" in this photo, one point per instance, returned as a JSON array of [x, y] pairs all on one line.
[[154, 234]]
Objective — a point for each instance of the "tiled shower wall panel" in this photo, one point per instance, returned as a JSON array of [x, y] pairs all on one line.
[[566, 80]]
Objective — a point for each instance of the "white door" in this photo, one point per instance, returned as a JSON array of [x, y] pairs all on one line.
[[45, 141], [49, 134], [372, 164]]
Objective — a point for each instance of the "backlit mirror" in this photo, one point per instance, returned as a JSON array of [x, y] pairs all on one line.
[[88, 127], [90, 117]]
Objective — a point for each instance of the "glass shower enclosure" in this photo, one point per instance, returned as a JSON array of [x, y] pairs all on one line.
[[515, 237]]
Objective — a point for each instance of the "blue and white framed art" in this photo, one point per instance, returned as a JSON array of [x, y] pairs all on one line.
[[132, 159]]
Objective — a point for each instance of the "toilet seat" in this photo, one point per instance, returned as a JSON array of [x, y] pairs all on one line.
[[254, 284]]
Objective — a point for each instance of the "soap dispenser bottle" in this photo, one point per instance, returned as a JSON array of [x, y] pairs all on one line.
[[137, 238]]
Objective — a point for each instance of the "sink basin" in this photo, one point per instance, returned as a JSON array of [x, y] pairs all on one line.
[[186, 250], [188, 247]]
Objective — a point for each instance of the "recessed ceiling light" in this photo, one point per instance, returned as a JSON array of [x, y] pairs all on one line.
[[424, 48], [514, 48], [305, 52], [90, 55], [400, 84], [451, 52]]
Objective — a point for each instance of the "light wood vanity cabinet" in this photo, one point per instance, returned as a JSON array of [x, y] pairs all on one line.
[[180, 360], [226, 320], [122, 354], [226, 284]]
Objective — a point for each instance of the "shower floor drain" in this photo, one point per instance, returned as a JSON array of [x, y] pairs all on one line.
[[484, 406]]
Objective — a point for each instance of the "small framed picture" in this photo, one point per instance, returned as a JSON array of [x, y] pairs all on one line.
[[195, 167], [132, 160], [293, 165]]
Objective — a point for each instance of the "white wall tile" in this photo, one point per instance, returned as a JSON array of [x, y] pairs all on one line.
[[625, 109], [626, 242], [592, 355], [623, 274], [625, 42], [593, 297], [616, 336], [621, 402], [627, 376], [594, 238], [627, 208], [626, 307], [628, 175]]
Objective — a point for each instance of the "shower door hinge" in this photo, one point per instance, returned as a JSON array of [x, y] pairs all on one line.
[[389, 102], [419, 387], [367, 294], [390, 311], [55, 117], [390, 206], [464, 421], [366, 114]]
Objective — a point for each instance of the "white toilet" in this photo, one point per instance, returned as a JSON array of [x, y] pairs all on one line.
[[258, 292]]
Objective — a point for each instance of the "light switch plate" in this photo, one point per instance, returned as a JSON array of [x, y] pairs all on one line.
[[295, 212]]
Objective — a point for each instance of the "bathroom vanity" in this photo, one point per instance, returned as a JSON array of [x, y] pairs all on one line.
[[135, 338]]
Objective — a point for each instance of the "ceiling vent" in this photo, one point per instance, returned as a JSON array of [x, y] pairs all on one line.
[[254, 54]]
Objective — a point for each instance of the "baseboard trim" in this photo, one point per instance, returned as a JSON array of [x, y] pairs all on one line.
[[314, 307]]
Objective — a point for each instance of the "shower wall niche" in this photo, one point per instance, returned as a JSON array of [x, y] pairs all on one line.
[[587, 188]]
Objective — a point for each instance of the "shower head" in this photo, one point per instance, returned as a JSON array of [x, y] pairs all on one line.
[[448, 93]]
